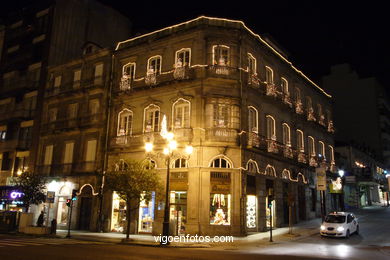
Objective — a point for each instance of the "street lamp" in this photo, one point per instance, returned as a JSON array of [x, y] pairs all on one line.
[[341, 173], [168, 151]]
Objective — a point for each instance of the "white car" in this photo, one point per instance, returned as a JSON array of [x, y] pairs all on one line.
[[339, 224]]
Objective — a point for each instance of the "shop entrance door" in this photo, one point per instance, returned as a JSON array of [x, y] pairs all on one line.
[[178, 212], [85, 213]]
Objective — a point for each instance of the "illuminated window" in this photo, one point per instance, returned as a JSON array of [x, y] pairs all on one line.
[[311, 145], [181, 113], [73, 110], [286, 134], [94, 106], [308, 103], [252, 64], [253, 119], [52, 114], [183, 57], [57, 81], [129, 70], [269, 75], [284, 84], [319, 110], [220, 162], [68, 153], [271, 131], [151, 118], [154, 65], [76, 78], [125, 122], [252, 167], [300, 141], [225, 115], [220, 209], [221, 55]]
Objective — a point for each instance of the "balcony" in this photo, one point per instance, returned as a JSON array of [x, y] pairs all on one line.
[[126, 141], [272, 146], [221, 71], [84, 167], [183, 134], [287, 99], [271, 90], [330, 126], [151, 79], [253, 140], [125, 83], [91, 119], [287, 151], [310, 115], [313, 161], [321, 120], [181, 73], [299, 107], [222, 135], [254, 81], [301, 157], [9, 144]]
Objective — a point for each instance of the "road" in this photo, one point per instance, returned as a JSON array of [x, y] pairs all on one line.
[[373, 242]]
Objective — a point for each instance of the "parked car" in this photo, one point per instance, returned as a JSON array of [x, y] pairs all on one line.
[[339, 224]]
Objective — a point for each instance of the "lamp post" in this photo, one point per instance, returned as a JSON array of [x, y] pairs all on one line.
[[168, 151]]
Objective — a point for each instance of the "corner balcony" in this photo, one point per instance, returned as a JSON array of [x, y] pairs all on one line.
[[221, 71], [181, 72], [321, 120], [310, 115], [271, 90], [136, 141], [228, 135], [287, 99], [330, 127], [313, 161], [125, 83], [287, 151], [301, 157], [253, 140], [272, 146]]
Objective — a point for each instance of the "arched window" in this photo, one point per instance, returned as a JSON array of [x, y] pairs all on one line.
[[221, 55], [129, 70], [284, 84], [154, 65], [286, 174], [183, 58], [220, 162], [252, 166], [271, 131], [251, 64], [286, 135], [309, 103], [312, 146], [270, 171], [319, 110], [300, 141], [180, 163], [269, 75], [151, 118], [253, 120], [322, 150], [125, 122], [181, 113]]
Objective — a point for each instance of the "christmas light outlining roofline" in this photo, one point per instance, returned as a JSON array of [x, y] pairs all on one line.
[[234, 21]]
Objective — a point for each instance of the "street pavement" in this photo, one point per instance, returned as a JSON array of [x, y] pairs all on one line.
[[373, 242]]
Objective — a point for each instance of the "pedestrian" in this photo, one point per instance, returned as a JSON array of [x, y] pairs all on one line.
[[40, 219], [53, 227]]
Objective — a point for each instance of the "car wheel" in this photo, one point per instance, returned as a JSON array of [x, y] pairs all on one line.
[[357, 230], [347, 234]]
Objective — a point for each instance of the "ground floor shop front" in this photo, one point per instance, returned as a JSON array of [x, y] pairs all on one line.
[[222, 202]]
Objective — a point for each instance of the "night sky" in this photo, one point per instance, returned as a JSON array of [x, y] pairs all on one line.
[[315, 35]]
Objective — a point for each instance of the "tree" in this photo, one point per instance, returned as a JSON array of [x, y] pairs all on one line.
[[33, 187], [133, 181]]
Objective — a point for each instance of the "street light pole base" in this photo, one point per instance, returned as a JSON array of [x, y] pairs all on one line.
[[165, 234]]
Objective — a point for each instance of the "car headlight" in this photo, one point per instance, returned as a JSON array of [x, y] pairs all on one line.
[[323, 227], [340, 229]]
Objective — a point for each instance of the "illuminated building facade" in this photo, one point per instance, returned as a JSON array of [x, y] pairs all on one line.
[[258, 126]]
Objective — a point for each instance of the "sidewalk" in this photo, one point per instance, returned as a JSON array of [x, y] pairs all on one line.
[[302, 229]]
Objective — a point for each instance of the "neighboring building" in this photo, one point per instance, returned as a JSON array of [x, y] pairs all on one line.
[[362, 135], [72, 136], [364, 178], [45, 34], [363, 111], [1, 39], [258, 126]]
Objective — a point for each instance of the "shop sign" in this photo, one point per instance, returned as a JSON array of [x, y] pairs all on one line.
[[50, 196], [321, 178], [336, 186], [10, 193]]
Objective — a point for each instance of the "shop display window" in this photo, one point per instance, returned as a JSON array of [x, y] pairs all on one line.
[[220, 209]]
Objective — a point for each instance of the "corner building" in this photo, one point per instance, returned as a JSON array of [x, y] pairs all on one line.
[[258, 126]]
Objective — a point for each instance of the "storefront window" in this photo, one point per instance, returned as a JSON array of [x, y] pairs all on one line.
[[118, 221], [178, 212], [146, 214], [220, 209], [251, 209]]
